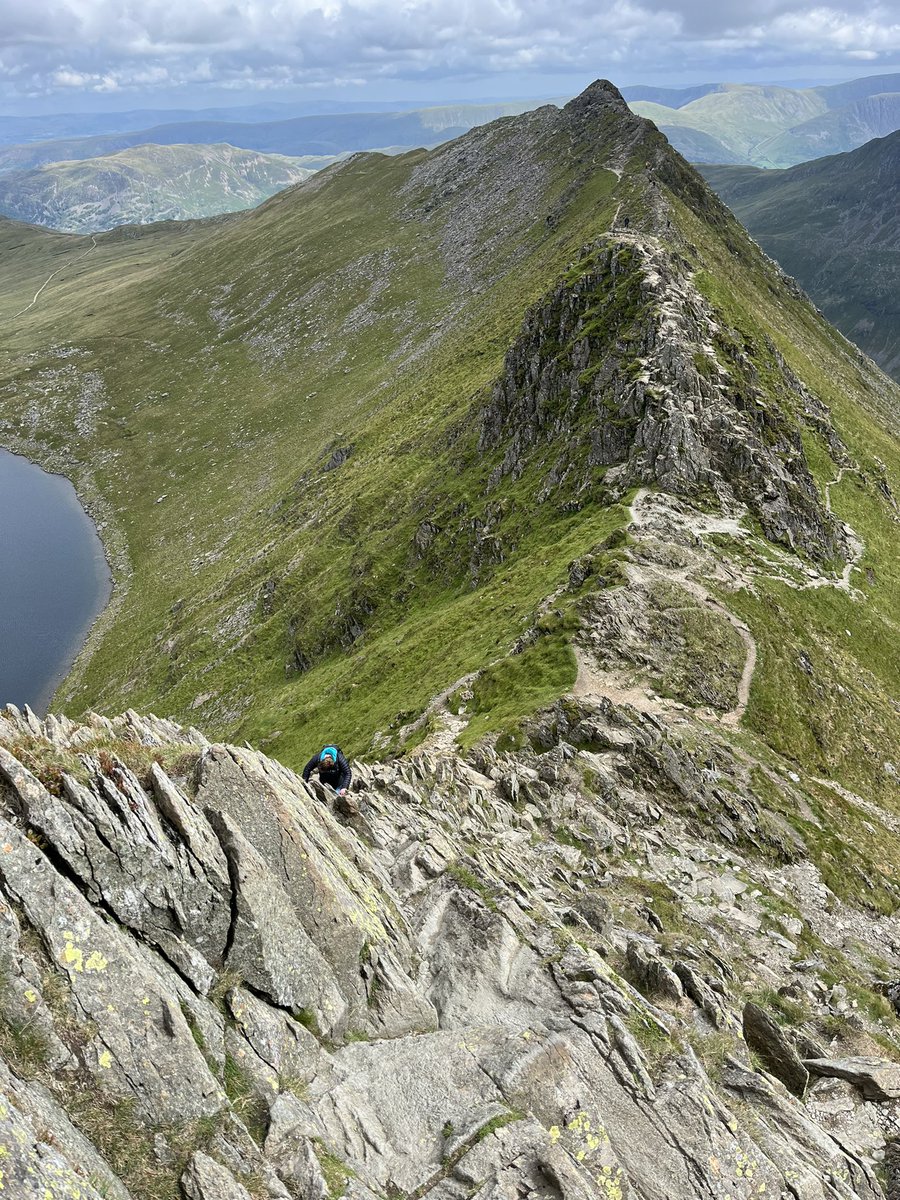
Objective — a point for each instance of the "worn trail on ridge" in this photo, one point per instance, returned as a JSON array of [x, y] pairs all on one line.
[[70, 263]]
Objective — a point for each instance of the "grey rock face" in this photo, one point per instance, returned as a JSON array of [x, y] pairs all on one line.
[[205, 1179], [763, 1035], [673, 403], [439, 999], [877, 1079]]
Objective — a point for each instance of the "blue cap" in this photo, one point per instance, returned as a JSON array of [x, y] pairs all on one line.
[[329, 752]]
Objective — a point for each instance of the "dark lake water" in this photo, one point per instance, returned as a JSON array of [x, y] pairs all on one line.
[[54, 581]]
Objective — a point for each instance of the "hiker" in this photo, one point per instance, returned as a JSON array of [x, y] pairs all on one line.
[[333, 769]]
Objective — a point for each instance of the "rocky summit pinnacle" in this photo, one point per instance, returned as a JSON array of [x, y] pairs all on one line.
[[599, 94]]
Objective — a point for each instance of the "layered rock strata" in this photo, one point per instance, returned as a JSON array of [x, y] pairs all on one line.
[[561, 973]]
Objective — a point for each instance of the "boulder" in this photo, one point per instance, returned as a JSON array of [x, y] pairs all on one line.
[[205, 1179], [763, 1035], [878, 1079]]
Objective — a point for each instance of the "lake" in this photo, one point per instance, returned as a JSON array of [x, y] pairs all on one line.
[[54, 581]]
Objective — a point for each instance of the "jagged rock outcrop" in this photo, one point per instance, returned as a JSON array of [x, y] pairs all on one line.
[[623, 377], [507, 975]]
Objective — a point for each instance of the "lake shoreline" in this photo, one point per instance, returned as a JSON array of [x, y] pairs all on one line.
[[110, 537]]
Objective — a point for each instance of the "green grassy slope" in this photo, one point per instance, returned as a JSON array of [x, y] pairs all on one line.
[[285, 423], [146, 184], [833, 225], [315, 307], [740, 116], [774, 127]]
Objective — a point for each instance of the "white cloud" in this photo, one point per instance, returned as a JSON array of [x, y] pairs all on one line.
[[66, 78], [159, 44]]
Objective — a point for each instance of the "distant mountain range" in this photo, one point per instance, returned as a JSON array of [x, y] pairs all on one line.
[[331, 134], [834, 224], [769, 126], [146, 184], [755, 124], [731, 124], [17, 129]]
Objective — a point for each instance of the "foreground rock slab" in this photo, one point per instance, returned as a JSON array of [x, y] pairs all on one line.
[[440, 994]]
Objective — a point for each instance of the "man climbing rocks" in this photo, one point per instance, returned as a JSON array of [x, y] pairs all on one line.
[[333, 769]]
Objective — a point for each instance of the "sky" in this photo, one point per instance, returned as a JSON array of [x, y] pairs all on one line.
[[73, 55]]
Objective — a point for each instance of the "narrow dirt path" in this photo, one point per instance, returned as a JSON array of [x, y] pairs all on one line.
[[645, 511], [743, 699], [833, 483], [701, 524], [70, 263]]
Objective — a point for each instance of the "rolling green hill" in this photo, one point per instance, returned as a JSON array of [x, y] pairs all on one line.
[[833, 224], [670, 97], [146, 184], [384, 437], [774, 126], [740, 116]]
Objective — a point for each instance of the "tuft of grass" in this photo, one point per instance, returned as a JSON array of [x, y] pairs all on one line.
[[468, 880], [499, 1122], [23, 1045], [307, 1018], [656, 1044], [246, 1102], [335, 1172], [785, 1009], [714, 1047], [193, 1026]]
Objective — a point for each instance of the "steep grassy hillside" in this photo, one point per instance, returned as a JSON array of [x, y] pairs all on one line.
[[696, 144], [354, 447], [147, 184], [833, 225], [834, 132]]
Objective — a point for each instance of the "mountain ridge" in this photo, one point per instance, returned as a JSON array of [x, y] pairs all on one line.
[[326, 135], [442, 555], [519, 467]]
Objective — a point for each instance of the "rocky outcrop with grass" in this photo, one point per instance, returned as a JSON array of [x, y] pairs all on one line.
[[601, 963], [624, 374]]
